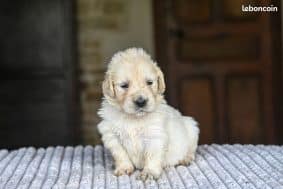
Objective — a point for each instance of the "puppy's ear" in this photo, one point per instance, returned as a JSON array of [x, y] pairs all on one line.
[[108, 87], [160, 81]]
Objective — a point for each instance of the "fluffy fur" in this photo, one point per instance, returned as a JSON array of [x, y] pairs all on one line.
[[150, 137]]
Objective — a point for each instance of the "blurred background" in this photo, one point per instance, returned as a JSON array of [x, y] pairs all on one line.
[[222, 66]]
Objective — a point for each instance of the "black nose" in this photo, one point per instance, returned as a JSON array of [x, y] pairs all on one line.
[[140, 102]]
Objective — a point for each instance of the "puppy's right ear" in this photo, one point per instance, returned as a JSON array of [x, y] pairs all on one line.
[[160, 81], [108, 87]]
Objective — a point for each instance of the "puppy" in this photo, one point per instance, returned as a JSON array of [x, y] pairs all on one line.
[[138, 127]]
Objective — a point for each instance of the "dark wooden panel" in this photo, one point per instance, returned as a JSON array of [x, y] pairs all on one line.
[[32, 91], [197, 100], [192, 11], [38, 97], [37, 124], [32, 34], [33, 112], [219, 47], [236, 43], [244, 110]]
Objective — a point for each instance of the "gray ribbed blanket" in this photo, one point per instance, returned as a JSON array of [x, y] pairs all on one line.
[[216, 166]]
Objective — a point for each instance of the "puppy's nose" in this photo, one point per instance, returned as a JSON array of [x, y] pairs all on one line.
[[140, 102]]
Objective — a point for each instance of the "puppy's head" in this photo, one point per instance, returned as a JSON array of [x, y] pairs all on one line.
[[133, 82]]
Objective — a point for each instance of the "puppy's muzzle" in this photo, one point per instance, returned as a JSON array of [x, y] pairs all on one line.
[[140, 102]]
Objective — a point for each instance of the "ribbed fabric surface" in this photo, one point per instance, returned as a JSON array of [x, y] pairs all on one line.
[[216, 166]]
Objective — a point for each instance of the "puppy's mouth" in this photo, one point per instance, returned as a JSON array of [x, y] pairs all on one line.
[[141, 112]]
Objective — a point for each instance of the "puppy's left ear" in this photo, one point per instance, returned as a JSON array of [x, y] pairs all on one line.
[[160, 80]]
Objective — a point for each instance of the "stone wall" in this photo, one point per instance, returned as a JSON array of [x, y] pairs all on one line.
[[106, 26]]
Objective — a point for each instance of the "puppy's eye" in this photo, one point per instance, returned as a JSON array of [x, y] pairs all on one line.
[[149, 82], [124, 85]]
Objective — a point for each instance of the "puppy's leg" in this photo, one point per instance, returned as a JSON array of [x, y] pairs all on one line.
[[193, 135], [190, 156], [123, 164], [153, 157]]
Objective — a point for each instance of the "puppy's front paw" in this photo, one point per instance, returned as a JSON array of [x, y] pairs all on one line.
[[144, 176], [124, 169], [149, 174], [187, 160]]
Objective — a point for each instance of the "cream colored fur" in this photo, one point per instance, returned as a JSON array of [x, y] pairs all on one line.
[[148, 138]]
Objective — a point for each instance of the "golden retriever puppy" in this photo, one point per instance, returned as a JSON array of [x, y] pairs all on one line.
[[138, 127]]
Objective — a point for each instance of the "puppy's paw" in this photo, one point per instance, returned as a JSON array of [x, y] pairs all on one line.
[[187, 160], [124, 169], [147, 174]]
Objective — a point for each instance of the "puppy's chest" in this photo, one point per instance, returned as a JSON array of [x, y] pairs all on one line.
[[135, 136], [132, 138]]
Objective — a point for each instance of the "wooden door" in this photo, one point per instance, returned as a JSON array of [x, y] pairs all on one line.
[[222, 66], [37, 74]]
